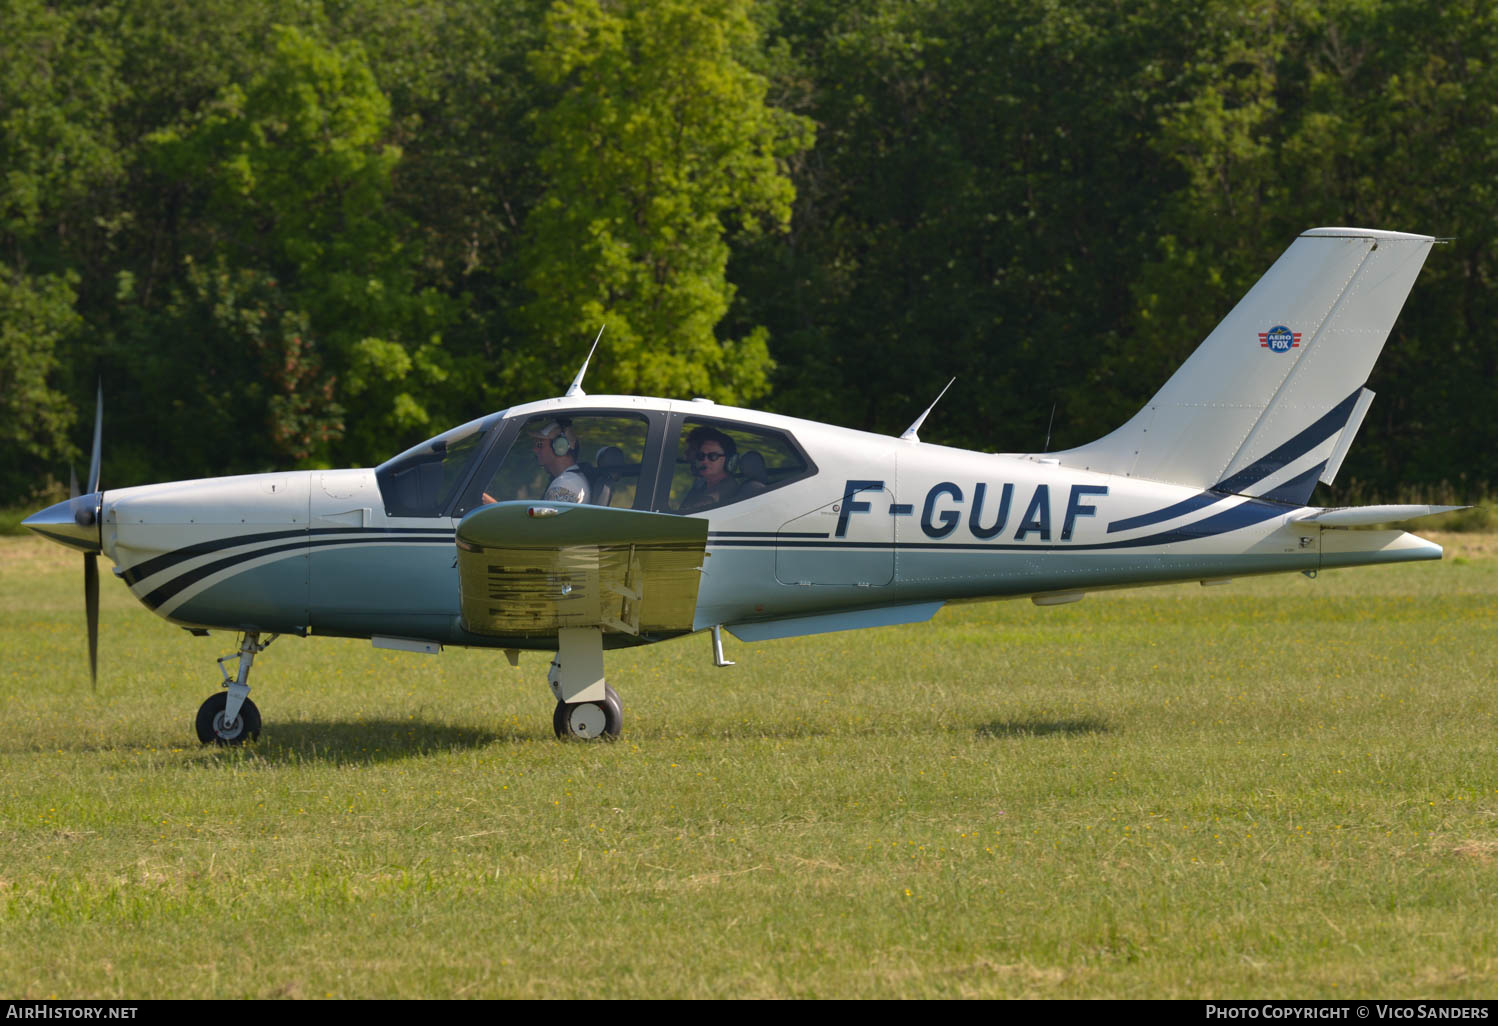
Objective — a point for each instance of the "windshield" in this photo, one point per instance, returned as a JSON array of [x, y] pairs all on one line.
[[422, 481]]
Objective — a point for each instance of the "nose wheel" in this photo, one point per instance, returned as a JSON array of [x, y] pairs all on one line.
[[588, 720], [215, 729]]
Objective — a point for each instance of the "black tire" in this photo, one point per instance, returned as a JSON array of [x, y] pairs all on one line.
[[614, 709], [210, 721], [613, 715]]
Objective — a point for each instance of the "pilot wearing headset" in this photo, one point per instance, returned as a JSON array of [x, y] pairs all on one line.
[[556, 449]]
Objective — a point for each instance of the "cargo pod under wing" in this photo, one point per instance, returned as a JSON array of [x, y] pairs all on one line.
[[531, 570]]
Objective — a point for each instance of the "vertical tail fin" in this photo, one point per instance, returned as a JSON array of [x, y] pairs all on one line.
[[1268, 404]]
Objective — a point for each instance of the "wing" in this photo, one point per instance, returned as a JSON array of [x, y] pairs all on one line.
[[530, 568]]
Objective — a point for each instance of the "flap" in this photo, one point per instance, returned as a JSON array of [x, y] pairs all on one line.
[[530, 568]]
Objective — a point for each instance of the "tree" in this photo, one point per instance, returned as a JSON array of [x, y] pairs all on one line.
[[659, 147], [1293, 115], [982, 188], [58, 158], [35, 315], [293, 182]]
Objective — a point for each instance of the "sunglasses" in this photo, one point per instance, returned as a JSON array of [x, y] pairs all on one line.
[[711, 457]]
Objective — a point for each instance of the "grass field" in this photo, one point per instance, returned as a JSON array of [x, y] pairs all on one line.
[[1282, 787]]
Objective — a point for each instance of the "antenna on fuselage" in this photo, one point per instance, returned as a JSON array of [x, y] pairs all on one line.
[[910, 432], [576, 388]]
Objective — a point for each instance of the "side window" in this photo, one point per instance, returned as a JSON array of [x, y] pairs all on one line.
[[718, 462], [591, 458]]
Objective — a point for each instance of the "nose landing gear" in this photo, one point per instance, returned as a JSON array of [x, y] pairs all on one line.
[[229, 717]]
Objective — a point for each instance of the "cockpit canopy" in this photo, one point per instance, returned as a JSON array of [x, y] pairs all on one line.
[[628, 458]]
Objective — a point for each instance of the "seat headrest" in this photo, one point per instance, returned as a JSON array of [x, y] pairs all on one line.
[[610, 458], [752, 466]]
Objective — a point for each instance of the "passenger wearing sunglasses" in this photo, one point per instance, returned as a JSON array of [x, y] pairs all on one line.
[[710, 454]]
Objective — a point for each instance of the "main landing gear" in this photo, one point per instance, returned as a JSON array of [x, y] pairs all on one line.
[[229, 717], [587, 707], [587, 720]]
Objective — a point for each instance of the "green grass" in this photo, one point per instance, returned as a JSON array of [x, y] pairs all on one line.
[[10, 519], [1282, 787]]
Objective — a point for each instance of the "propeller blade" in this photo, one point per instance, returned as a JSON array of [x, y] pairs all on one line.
[[73, 491], [93, 463], [91, 607]]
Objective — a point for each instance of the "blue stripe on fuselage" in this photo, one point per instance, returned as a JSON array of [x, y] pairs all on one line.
[[156, 564], [1179, 509], [1246, 514], [370, 536]]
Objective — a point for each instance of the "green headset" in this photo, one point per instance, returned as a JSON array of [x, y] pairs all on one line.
[[561, 445]]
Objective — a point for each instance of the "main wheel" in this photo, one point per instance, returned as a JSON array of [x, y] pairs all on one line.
[[213, 731], [588, 720]]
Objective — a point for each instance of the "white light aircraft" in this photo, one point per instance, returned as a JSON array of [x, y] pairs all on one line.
[[583, 523]]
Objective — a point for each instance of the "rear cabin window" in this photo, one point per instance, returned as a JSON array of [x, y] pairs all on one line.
[[422, 481], [588, 458], [718, 463]]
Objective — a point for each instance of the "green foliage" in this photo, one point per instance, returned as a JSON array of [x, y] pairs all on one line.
[[311, 271], [249, 314], [57, 85], [953, 219], [295, 166], [1302, 114], [58, 161], [422, 212], [659, 146], [35, 315]]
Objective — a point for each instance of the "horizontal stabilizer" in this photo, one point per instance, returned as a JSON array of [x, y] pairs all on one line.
[[1367, 516]]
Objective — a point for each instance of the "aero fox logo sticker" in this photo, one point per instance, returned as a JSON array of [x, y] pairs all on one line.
[[1279, 339]]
